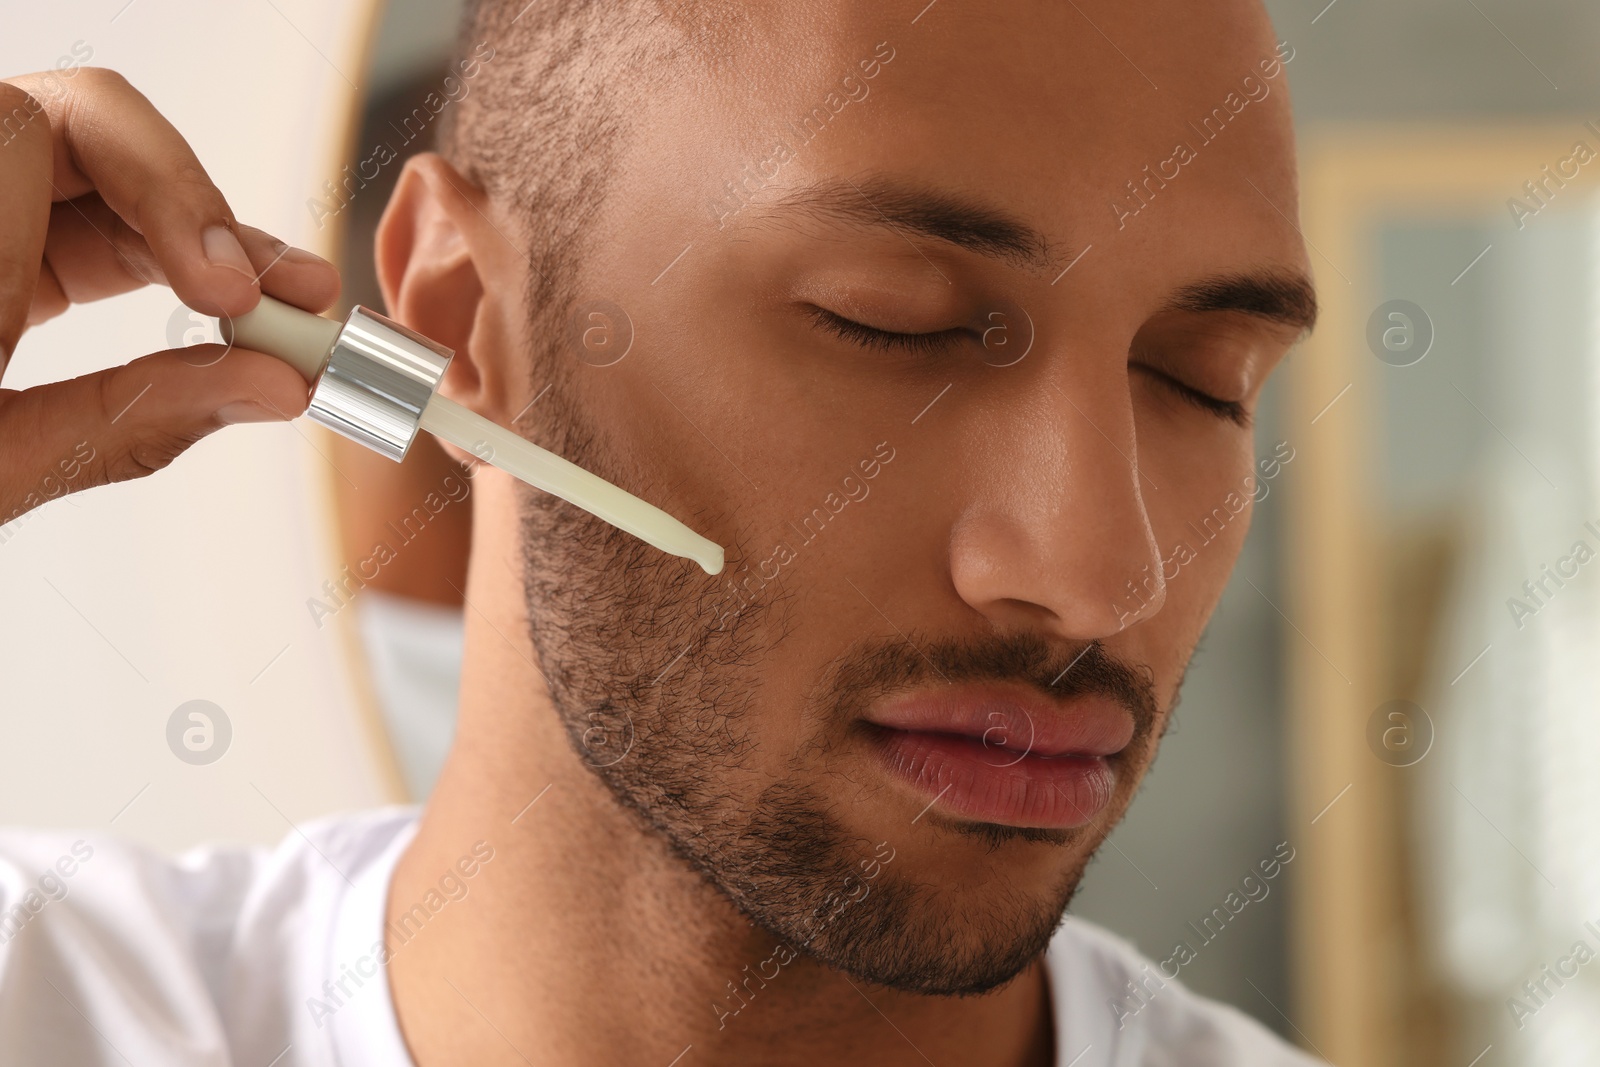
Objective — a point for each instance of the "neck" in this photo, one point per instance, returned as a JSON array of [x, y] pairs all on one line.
[[583, 940]]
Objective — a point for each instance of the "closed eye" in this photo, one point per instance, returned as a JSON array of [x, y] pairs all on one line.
[[883, 340], [1231, 410], [939, 340]]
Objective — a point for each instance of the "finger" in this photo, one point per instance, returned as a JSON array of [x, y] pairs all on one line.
[[108, 138], [91, 253], [291, 274], [25, 206], [133, 420]]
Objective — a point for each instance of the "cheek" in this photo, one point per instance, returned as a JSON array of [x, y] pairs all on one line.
[[1194, 459], [1200, 510]]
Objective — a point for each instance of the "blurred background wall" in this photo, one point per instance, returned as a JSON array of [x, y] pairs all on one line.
[[125, 604]]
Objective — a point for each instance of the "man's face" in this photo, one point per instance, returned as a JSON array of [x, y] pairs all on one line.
[[966, 569]]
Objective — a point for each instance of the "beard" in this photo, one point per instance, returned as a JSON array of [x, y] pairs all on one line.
[[655, 670]]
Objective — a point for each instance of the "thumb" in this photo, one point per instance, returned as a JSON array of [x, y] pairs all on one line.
[[133, 420]]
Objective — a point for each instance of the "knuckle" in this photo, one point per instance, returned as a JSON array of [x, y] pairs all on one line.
[[191, 179], [153, 451], [101, 80], [147, 448], [103, 399], [125, 465], [185, 191]]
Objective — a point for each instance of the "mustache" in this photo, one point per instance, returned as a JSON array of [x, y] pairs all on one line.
[[875, 669]]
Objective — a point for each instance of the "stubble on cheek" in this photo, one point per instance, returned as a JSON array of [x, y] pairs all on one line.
[[653, 684], [664, 692]]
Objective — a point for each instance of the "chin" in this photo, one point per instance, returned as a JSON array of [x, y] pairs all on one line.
[[943, 941]]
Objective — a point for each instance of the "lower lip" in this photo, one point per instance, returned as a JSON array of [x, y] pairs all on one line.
[[995, 785]]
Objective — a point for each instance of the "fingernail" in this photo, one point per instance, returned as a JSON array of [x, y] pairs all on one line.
[[283, 251], [300, 257], [222, 249], [244, 411]]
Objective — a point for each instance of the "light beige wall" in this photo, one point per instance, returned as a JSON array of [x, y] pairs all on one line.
[[125, 602]]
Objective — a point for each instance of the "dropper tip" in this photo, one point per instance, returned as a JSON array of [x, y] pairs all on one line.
[[712, 564]]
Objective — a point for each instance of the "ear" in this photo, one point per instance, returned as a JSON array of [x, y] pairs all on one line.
[[435, 246]]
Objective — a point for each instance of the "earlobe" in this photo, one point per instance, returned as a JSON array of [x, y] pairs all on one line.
[[428, 270]]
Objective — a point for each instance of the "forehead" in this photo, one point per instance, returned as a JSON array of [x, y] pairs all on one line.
[[1071, 115]]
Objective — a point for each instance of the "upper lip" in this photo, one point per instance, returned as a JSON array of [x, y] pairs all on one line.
[[1012, 717]]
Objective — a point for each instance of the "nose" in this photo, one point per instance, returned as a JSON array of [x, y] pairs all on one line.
[[1055, 534]]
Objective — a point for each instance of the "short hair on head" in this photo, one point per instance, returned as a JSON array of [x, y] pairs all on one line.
[[548, 115]]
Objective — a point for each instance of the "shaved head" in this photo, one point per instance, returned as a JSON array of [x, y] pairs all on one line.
[[543, 129]]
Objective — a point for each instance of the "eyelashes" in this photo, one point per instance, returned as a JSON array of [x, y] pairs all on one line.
[[1228, 410], [885, 340], [940, 341]]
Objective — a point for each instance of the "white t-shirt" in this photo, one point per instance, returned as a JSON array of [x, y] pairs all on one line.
[[240, 957]]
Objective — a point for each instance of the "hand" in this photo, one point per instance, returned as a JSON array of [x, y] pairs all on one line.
[[100, 196]]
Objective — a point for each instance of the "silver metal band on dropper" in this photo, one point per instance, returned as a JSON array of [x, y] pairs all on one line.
[[378, 378]]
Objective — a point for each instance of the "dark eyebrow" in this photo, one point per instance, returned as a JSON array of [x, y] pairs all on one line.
[[1285, 297], [877, 200]]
